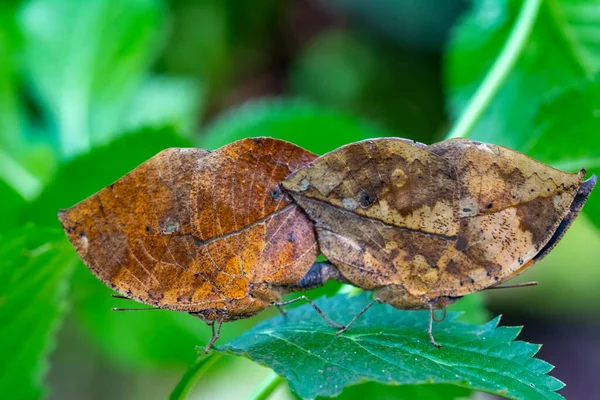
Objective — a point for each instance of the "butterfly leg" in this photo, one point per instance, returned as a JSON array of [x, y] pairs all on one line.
[[430, 330], [215, 334], [317, 309], [344, 328], [281, 310]]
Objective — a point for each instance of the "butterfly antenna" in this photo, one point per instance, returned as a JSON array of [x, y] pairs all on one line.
[[514, 285], [118, 296], [136, 309]]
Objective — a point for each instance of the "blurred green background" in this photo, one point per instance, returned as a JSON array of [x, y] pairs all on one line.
[[90, 89]]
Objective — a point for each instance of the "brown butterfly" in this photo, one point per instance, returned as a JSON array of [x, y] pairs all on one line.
[[423, 226], [208, 233]]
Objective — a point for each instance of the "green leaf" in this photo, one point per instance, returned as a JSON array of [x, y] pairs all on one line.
[[404, 22], [357, 74], [10, 107], [202, 28], [391, 346], [163, 101], [472, 308], [296, 121], [562, 49], [85, 61], [35, 267], [193, 374], [12, 206], [142, 339], [18, 156], [566, 135], [403, 392]]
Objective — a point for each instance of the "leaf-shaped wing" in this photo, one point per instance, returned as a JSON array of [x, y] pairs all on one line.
[[425, 222], [510, 208], [192, 230]]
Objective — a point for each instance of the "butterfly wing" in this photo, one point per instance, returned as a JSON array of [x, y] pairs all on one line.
[[432, 221], [385, 210], [192, 230]]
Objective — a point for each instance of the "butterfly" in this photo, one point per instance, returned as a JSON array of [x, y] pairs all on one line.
[[422, 226], [208, 233]]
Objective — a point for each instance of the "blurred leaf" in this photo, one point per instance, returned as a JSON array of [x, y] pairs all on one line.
[[12, 207], [14, 175], [20, 159], [563, 47], [336, 68], [420, 23], [138, 339], [473, 308], [566, 135], [85, 60], [199, 43], [85, 175], [220, 42], [391, 346], [10, 108], [35, 266], [165, 101], [399, 88], [202, 365], [299, 122]]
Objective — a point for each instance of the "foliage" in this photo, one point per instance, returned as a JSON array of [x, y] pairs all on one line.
[[88, 90], [562, 134], [391, 346], [300, 122], [35, 267], [559, 53]]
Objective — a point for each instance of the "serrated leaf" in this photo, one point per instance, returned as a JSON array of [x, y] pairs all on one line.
[[403, 392], [296, 121], [391, 346], [35, 267], [563, 47], [86, 59]]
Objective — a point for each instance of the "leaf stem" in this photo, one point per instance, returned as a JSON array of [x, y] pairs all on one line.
[[499, 71], [189, 379], [267, 387]]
